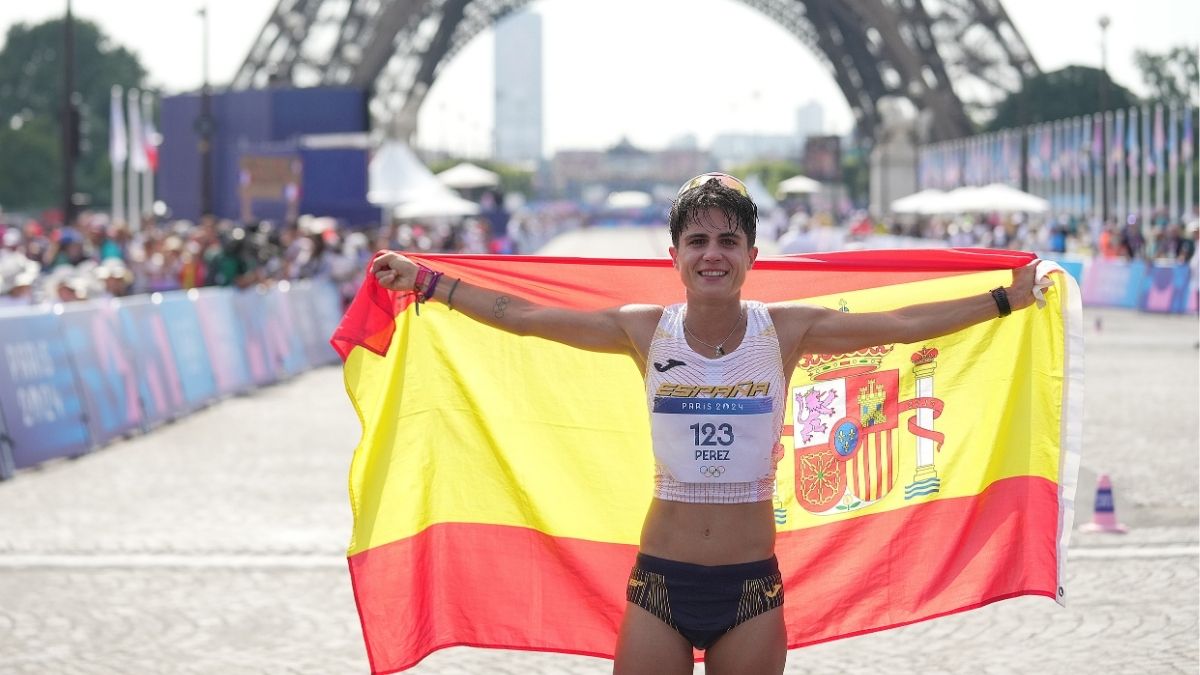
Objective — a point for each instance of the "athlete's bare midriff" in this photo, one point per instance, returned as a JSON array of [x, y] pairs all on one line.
[[709, 534]]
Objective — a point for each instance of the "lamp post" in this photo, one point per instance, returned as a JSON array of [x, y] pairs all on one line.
[[204, 123], [70, 119]]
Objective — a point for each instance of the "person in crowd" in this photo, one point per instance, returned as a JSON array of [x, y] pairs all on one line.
[[706, 576]]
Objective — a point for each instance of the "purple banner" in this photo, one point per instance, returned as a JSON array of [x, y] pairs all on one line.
[[39, 397], [260, 357], [282, 335], [1113, 283], [1167, 289], [105, 369], [158, 380], [225, 340], [187, 346]]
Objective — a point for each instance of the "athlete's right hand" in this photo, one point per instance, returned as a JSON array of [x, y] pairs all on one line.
[[394, 272]]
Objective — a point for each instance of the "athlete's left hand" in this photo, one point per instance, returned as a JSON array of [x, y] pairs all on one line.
[[1020, 293]]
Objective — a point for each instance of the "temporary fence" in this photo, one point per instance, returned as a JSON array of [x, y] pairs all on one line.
[[74, 377]]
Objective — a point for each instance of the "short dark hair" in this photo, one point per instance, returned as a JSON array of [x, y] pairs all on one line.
[[712, 194]]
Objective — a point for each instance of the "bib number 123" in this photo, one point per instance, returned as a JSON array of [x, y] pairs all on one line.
[[709, 434]]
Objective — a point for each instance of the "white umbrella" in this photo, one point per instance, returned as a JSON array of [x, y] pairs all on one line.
[[798, 185], [436, 203], [923, 202], [994, 198], [628, 199], [467, 176]]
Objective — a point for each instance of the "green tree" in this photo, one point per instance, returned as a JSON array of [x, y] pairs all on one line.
[[31, 99], [1173, 76], [1069, 92]]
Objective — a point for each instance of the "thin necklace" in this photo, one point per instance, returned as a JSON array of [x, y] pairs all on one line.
[[719, 348]]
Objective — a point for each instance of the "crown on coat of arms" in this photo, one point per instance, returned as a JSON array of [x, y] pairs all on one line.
[[835, 366], [925, 356]]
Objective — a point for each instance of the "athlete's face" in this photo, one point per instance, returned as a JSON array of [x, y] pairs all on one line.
[[713, 255]]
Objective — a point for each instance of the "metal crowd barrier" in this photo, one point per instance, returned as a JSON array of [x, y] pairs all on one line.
[[74, 377]]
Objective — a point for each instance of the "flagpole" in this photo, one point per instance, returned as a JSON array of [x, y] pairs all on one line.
[[1117, 137], [1097, 166], [1079, 201], [117, 152], [148, 176], [135, 204], [1189, 131], [1160, 170], [1146, 148], [1173, 211]]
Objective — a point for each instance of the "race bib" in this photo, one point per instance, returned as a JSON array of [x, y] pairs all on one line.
[[714, 440]]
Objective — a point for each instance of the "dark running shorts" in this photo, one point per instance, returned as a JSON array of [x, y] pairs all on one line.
[[704, 602]]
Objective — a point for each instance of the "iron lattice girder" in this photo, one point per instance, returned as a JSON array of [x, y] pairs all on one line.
[[946, 56]]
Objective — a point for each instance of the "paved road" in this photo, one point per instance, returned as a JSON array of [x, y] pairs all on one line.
[[216, 545]]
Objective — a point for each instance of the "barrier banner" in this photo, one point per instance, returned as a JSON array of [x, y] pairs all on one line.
[[39, 397], [1167, 289], [280, 330], [316, 319], [187, 346], [260, 357], [224, 339], [158, 380], [104, 365], [1072, 266], [331, 309], [1114, 283], [6, 462]]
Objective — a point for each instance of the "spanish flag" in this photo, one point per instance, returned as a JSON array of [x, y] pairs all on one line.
[[500, 483]]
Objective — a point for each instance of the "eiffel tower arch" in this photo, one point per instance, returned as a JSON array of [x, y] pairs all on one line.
[[950, 58]]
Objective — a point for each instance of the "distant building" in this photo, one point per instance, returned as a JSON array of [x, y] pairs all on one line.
[[625, 167], [518, 114], [810, 120], [730, 149]]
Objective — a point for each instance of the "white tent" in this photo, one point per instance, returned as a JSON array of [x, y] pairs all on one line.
[[994, 198], [397, 180], [395, 175], [759, 193], [467, 176], [923, 202], [798, 185]]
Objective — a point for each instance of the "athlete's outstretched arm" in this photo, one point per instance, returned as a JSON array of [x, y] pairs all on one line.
[[599, 331], [827, 331]]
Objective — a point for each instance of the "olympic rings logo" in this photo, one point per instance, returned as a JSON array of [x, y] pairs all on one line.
[[712, 471]]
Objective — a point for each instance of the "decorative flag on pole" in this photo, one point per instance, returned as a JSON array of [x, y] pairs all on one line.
[[138, 161], [1173, 163], [500, 482], [118, 151], [1185, 154], [149, 134], [1160, 162]]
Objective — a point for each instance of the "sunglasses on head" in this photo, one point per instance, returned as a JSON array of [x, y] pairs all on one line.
[[722, 178]]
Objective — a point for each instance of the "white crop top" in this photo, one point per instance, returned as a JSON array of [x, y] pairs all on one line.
[[715, 422]]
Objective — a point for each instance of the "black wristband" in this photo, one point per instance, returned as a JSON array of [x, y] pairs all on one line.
[[450, 298], [1001, 297]]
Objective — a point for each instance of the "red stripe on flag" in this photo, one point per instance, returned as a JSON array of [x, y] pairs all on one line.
[[495, 586], [878, 466]]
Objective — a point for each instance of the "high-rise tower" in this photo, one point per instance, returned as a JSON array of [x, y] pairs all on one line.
[[518, 123]]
